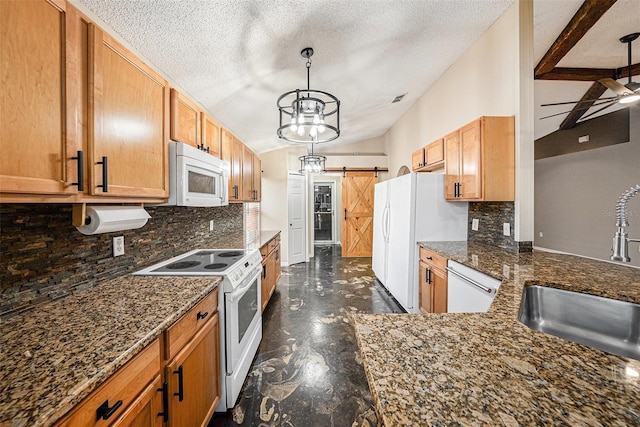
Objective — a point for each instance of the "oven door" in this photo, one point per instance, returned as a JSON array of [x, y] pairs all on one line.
[[243, 324], [200, 183]]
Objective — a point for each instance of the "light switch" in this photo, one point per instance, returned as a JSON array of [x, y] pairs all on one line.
[[474, 224], [506, 229]]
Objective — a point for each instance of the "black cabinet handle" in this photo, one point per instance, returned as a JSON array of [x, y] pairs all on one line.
[[278, 255], [235, 191], [104, 412], [207, 149], [430, 258], [80, 158], [180, 392], [105, 174], [345, 214], [201, 315], [264, 271], [165, 402], [428, 275]]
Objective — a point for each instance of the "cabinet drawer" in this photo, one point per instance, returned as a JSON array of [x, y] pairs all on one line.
[[264, 251], [432, 259], [120, 390], [185, 328]]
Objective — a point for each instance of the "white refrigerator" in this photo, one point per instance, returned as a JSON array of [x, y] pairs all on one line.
[[409, 209]]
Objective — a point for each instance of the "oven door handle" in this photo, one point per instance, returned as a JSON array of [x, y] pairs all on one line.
[[238, 293]]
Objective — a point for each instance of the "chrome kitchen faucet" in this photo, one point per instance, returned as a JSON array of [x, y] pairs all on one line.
[[620, 246]]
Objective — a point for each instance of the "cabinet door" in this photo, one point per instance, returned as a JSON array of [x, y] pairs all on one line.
[[185, 120], [451, 164], [278, 265], [130, 122], [434, 153], [257, 177], [146, 410], [210, 135], [417, 159], [264, 282], [272, 279], [439, 293], [247, 174], [235, 180], [193, 378], [470, 161], [425, 289], [39, 97]]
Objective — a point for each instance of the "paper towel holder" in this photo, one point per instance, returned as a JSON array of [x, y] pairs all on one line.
[[79, 213]]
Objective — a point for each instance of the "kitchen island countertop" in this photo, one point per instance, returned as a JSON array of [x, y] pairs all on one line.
[[53, 356], [488, 368]]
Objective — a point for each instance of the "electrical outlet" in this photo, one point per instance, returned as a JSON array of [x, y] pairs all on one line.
[[118, 246], [474, 224], [211, 225], [584, 138], [506, 229], [474, 259], [541, 234]]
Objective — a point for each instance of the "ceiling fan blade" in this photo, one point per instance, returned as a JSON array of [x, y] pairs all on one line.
[[610, 102], [597, 111], [575, 102], [618, 88]]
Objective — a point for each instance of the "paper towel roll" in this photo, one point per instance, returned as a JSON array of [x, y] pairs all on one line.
[[105, 219]]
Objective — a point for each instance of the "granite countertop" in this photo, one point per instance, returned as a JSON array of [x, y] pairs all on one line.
[[488, 368], [266, 235], [53, 356]]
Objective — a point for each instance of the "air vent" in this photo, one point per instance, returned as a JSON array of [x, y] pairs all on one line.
[[398, 98]]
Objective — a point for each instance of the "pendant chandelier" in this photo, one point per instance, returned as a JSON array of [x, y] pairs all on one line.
[[307, 115], [311, 163]]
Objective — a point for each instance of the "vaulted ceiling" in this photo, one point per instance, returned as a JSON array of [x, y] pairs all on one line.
[[235, 57]]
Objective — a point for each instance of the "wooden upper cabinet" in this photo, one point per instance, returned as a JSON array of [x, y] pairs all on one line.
[[417, 159], [257, 177], [428, 158], [185, 120], [210, 135], [235, 181], [480, 161], [130, 122], [247, 174], [39, 98]]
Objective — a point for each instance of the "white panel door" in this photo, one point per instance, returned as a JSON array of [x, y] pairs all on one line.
[[296, 186], [380, 227]]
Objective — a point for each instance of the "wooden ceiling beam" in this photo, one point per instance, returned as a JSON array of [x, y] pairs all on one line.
[[588, 14], [578, 74], [624, 71], [593, 93]]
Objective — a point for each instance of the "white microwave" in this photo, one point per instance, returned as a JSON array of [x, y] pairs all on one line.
[[196, 178]]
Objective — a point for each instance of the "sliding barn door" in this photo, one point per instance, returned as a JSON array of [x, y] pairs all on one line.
[[357, 215]]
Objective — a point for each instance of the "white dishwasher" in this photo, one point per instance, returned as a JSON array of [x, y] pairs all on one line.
[[469, 291]]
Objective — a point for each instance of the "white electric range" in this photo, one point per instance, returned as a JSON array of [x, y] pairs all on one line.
[[239, 307]]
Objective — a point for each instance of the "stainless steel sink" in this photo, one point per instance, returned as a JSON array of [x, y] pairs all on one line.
[[602, 323]]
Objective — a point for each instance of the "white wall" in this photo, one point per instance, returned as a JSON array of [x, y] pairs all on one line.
[[485, 81], [576, 195]]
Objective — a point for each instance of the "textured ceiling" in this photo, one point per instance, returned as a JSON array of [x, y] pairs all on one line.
[[235, 57], [599, 48]]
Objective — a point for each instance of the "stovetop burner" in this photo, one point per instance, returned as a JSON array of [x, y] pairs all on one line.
[[230, 254], [181, 265], [216, 266]]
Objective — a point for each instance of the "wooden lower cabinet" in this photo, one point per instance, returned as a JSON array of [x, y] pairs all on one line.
[[271, 269], [432, 291], [146, 410], [124, 396], [193, 378]]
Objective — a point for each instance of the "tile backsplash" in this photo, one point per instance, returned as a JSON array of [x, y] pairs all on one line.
[[43, 257], [491, 217]]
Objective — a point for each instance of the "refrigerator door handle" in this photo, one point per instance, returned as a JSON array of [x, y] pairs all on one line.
[[385, 222]]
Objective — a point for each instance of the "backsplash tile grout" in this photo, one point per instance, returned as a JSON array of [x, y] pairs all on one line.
[[43, 257]]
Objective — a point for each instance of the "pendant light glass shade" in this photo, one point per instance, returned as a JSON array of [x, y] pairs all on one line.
[[307, 115], [312, 163]]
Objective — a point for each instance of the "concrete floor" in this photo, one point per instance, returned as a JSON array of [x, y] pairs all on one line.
[[308, 370]]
